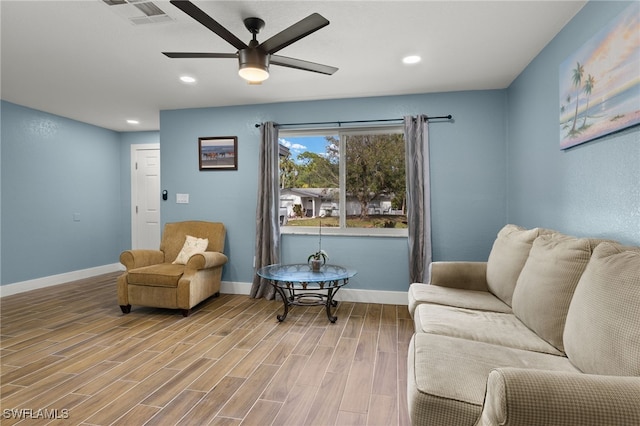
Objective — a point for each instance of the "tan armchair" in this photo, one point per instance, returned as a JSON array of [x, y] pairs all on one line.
[[154, 279]]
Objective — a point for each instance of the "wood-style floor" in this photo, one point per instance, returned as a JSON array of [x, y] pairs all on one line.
[[68, 352]]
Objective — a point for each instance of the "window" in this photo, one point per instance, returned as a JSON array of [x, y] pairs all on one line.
[[347, 180]]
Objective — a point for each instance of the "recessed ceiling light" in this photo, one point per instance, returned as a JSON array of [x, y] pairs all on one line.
[[187, 79], [412, 59], [133, 122]]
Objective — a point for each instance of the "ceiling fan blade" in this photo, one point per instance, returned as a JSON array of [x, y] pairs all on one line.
[[197, 14], [284, 61], [294, 33], [199, 55]]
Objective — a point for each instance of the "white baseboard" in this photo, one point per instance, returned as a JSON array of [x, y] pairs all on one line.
[[344, 295], [383, 297], [226, 287], [231, 287], [20, 287]]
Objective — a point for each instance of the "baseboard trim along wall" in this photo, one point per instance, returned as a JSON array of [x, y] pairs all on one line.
[[51, 280], [344, 294], [227, 287]]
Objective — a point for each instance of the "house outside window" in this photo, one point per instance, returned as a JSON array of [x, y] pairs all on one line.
[[349, 181]]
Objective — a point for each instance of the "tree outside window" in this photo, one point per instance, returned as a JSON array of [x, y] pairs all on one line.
[[344, 178]]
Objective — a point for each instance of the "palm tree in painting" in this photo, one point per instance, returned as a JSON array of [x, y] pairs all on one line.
[[588, 87], [563, 108], [578, 72]]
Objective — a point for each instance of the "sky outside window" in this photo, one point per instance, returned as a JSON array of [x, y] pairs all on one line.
[[299, 144]]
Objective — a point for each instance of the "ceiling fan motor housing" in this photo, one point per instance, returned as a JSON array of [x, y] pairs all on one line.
[[253, 58]]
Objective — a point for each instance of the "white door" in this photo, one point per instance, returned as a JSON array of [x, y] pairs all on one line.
[[145, 196]]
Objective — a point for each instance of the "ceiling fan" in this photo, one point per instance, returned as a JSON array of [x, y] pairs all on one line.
[[255, 58]]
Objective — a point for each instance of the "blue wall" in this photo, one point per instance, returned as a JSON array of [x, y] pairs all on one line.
[[65, 194], [468, 179], [52, 169], [590, 190]]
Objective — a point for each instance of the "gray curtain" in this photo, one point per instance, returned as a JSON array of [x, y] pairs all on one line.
[[416, 135], [267, 221]]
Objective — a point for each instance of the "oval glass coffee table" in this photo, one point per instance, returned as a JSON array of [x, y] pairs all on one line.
[[298, 285]]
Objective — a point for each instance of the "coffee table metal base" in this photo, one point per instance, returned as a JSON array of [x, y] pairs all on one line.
[[307, 299]]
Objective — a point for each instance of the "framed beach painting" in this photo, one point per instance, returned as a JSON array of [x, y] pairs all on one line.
[[600, 82], [218, 153]]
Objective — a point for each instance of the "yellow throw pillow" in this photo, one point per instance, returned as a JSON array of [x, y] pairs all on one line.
[[192, 245]]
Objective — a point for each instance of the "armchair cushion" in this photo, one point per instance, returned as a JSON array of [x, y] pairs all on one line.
[[160, 275], [192, 245], [175, 234]]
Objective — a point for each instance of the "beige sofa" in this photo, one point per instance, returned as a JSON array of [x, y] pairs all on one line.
[[546, 332]]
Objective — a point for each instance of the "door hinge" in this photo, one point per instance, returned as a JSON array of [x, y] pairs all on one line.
[[136, 209], [136, 165]]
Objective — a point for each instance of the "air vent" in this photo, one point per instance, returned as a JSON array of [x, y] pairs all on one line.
[[139, 12]]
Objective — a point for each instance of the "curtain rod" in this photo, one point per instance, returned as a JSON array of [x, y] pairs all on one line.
[[339, 123]]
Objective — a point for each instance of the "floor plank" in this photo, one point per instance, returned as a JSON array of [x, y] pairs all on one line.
[[69, 347]]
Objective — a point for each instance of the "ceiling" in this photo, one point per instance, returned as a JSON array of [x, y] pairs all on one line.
[[87, 61]]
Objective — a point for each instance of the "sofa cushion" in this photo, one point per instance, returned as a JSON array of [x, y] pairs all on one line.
[[160, 275], [507, 258], [546, 284], [461, 298], [602, 331], [447, 376], [482, 326]]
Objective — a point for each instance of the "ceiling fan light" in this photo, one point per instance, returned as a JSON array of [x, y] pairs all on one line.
[[253, 75], [254, 65]]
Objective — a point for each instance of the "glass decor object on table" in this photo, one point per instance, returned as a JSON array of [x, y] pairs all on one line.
[[299, 285]]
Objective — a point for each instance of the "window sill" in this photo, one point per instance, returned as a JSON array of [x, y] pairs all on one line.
[[348, 232]]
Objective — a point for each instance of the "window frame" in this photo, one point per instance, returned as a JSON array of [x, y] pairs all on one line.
[[342, 133]]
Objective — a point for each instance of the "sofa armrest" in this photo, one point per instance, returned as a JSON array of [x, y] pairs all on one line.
[[208, 259], [464, 275], [132, 259], [530, 397]]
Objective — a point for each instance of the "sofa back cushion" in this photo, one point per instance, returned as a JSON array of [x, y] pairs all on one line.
[[508, 255], [546, 284], [602, 332]]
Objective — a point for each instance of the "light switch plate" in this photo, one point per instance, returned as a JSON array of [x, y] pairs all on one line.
[[182, 198]]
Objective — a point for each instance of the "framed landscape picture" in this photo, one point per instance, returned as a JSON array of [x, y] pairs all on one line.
[[218, 153], [600, 82]]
